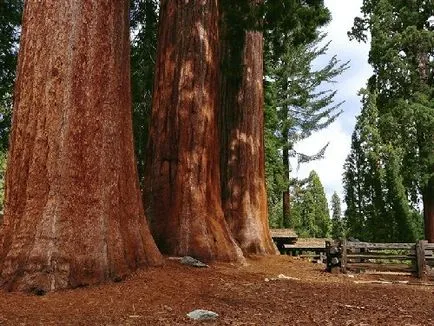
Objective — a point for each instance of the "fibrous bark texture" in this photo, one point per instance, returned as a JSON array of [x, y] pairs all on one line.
[[73, 212], [243, 162], [425, 151], [428, 210], [183, 183], [286, 209]]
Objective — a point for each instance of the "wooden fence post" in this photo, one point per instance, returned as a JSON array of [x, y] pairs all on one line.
[[344, 256], [420, 259]]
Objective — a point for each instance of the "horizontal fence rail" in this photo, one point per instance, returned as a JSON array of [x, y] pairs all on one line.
[[416, 258]]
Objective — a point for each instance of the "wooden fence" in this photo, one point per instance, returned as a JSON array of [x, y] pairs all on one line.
[[416, 258]]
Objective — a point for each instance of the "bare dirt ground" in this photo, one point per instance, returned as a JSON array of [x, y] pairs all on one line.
[[241, 295]]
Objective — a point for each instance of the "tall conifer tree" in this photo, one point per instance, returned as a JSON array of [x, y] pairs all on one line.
[[298, 104], [402, 47], [338, 228]]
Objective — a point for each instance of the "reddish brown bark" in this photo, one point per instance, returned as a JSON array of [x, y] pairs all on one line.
[[183, 168], [286, 209], [428, 210], [73, 212], [425, 151], [286, 213], [243, 162]]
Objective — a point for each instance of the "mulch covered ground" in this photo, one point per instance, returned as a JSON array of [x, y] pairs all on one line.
[[241, 295]]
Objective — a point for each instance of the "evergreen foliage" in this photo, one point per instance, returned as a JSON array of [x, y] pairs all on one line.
[[10, 19], [310, 215], [377, 205], [402, 48], [144, 28], [298, 103], [338, 228]]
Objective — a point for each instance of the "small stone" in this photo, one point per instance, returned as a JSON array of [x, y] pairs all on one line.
[[200, 314], [187, 260], [267, 279], [284, 277]]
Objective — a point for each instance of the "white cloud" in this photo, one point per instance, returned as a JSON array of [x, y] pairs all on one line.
[[343, 14], [329, 169]]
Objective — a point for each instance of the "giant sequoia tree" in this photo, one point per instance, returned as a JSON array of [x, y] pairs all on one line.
[[242, 119], [73, 212], [183, 180]]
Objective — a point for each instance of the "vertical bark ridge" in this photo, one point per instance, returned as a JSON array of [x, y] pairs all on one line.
[[428, 209], [183, 186]]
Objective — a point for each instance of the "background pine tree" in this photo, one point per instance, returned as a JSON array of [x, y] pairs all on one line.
[[402, 43], [338, 227]]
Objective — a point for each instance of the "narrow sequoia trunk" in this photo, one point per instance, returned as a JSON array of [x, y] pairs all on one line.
[[428, 209], [183, 186], [286, 209], [73, 212], [286, 213], [243, 159], [426, 145]]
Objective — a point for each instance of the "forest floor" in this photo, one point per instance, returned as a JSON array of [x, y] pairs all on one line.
[[241, 295]]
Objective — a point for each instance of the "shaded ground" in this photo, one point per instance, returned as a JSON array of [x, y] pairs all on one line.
[[240, 295]]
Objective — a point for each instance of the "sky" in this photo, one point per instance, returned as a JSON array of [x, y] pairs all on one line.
[[338, 134]]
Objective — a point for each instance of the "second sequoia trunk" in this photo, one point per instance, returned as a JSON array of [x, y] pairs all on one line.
[[182, 183], [242, 130]]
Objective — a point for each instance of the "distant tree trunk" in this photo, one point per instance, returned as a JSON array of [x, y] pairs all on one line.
[[425, 150], [286, 200], [73, 212], [428, 210], [286, 209], [183, 181], [243, 157], [286, 214]]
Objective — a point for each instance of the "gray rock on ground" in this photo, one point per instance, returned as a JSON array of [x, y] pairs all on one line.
[[187, 260], [200, 314]]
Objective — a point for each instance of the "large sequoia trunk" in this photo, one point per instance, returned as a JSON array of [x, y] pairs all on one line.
[[242, 130], [183, 186], [73, 212]]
